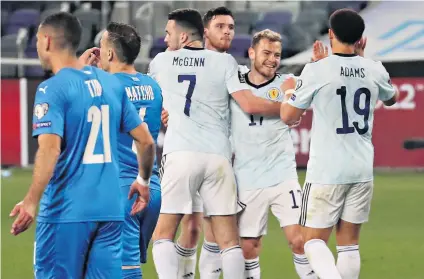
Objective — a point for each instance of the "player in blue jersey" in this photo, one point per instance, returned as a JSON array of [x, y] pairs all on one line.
[[120, 46], [78, 114]]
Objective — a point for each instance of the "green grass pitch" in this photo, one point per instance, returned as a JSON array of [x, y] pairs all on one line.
[[392, 243]]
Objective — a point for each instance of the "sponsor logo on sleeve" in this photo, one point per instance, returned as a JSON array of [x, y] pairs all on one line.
[[299, 83], [44, 124], [241, 77]]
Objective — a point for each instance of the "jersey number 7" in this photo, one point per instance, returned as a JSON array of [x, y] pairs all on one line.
[[191, 85], [365, 112]]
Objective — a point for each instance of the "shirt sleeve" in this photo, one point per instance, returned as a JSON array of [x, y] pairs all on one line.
[[234, 78], [151, 71], [130, 118], [386, 91], [306, 88], [49, 111]]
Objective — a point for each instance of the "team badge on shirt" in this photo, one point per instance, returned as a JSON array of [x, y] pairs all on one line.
[[40, 110], [273, 93]]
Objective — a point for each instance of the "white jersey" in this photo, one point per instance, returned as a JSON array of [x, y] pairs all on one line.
[[264, 152], [344, 90], [196, 84]]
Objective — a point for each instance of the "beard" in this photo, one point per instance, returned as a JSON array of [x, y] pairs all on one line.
[[265, 71]]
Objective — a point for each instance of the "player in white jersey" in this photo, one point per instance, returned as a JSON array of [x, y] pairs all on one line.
[[344, 89], [219, 33], [196, 85], [265, 165]]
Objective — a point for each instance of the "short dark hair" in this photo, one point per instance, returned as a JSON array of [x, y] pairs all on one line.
[[216, 12], [266, 34], [347, 25], [188, 19], [125, 40], [68, 28]]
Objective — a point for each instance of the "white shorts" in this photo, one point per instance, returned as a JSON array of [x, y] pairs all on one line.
[[185, 174], [284, 201], [323, 205]]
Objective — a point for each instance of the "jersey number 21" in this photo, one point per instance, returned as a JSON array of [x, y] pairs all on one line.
[[99, 118]]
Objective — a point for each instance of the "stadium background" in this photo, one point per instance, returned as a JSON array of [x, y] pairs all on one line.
[[392, 243]]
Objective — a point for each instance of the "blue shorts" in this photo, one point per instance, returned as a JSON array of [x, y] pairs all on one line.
[[78, 250], [138, 229]]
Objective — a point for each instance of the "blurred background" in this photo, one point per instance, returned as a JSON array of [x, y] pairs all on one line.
[[395, 32]]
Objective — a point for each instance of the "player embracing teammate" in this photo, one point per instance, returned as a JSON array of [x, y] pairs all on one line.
[[85, 124]]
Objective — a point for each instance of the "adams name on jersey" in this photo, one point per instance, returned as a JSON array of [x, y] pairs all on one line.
[[263, 147], [344, 90]]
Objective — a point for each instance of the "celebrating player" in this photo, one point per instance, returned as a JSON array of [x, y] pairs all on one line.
[[265, 165], [344, 89], [218, 35], [119, 47], [78, 115], [197, 83]]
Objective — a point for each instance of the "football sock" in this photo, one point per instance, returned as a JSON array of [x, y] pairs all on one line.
[[165, 259], [252, 269], [303, 268], [321, 259], [233, 263], [187, 258], [210, 261], [349, 261]]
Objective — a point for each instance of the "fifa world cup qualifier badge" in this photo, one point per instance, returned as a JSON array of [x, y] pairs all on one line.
[[40, 110]]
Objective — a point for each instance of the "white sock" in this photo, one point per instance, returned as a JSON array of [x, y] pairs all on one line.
[[187, 258], [232, 263], [349, 261], [210, 261], [321, 259], [303, 268], [252, 269], [165, 259]]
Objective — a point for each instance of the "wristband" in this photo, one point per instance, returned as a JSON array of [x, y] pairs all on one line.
[[289, 91], [142, 181]]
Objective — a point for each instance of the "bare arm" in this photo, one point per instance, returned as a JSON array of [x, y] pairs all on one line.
[[45, 162], [145, 150], [251, 104]]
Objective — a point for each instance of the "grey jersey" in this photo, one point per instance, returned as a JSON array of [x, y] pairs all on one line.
[[343, 91], [196, 84], [264, 152]]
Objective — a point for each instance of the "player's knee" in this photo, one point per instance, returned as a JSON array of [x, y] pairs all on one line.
[[194, 230], [191, 231], [296, 244], [251, 247]]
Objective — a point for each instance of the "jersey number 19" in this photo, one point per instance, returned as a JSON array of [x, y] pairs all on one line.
[[365, 112]]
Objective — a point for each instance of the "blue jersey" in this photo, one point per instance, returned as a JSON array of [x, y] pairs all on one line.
[[146, 96], [88, 109]]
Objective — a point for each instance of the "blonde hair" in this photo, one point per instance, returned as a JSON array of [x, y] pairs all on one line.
[[266, 34]]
